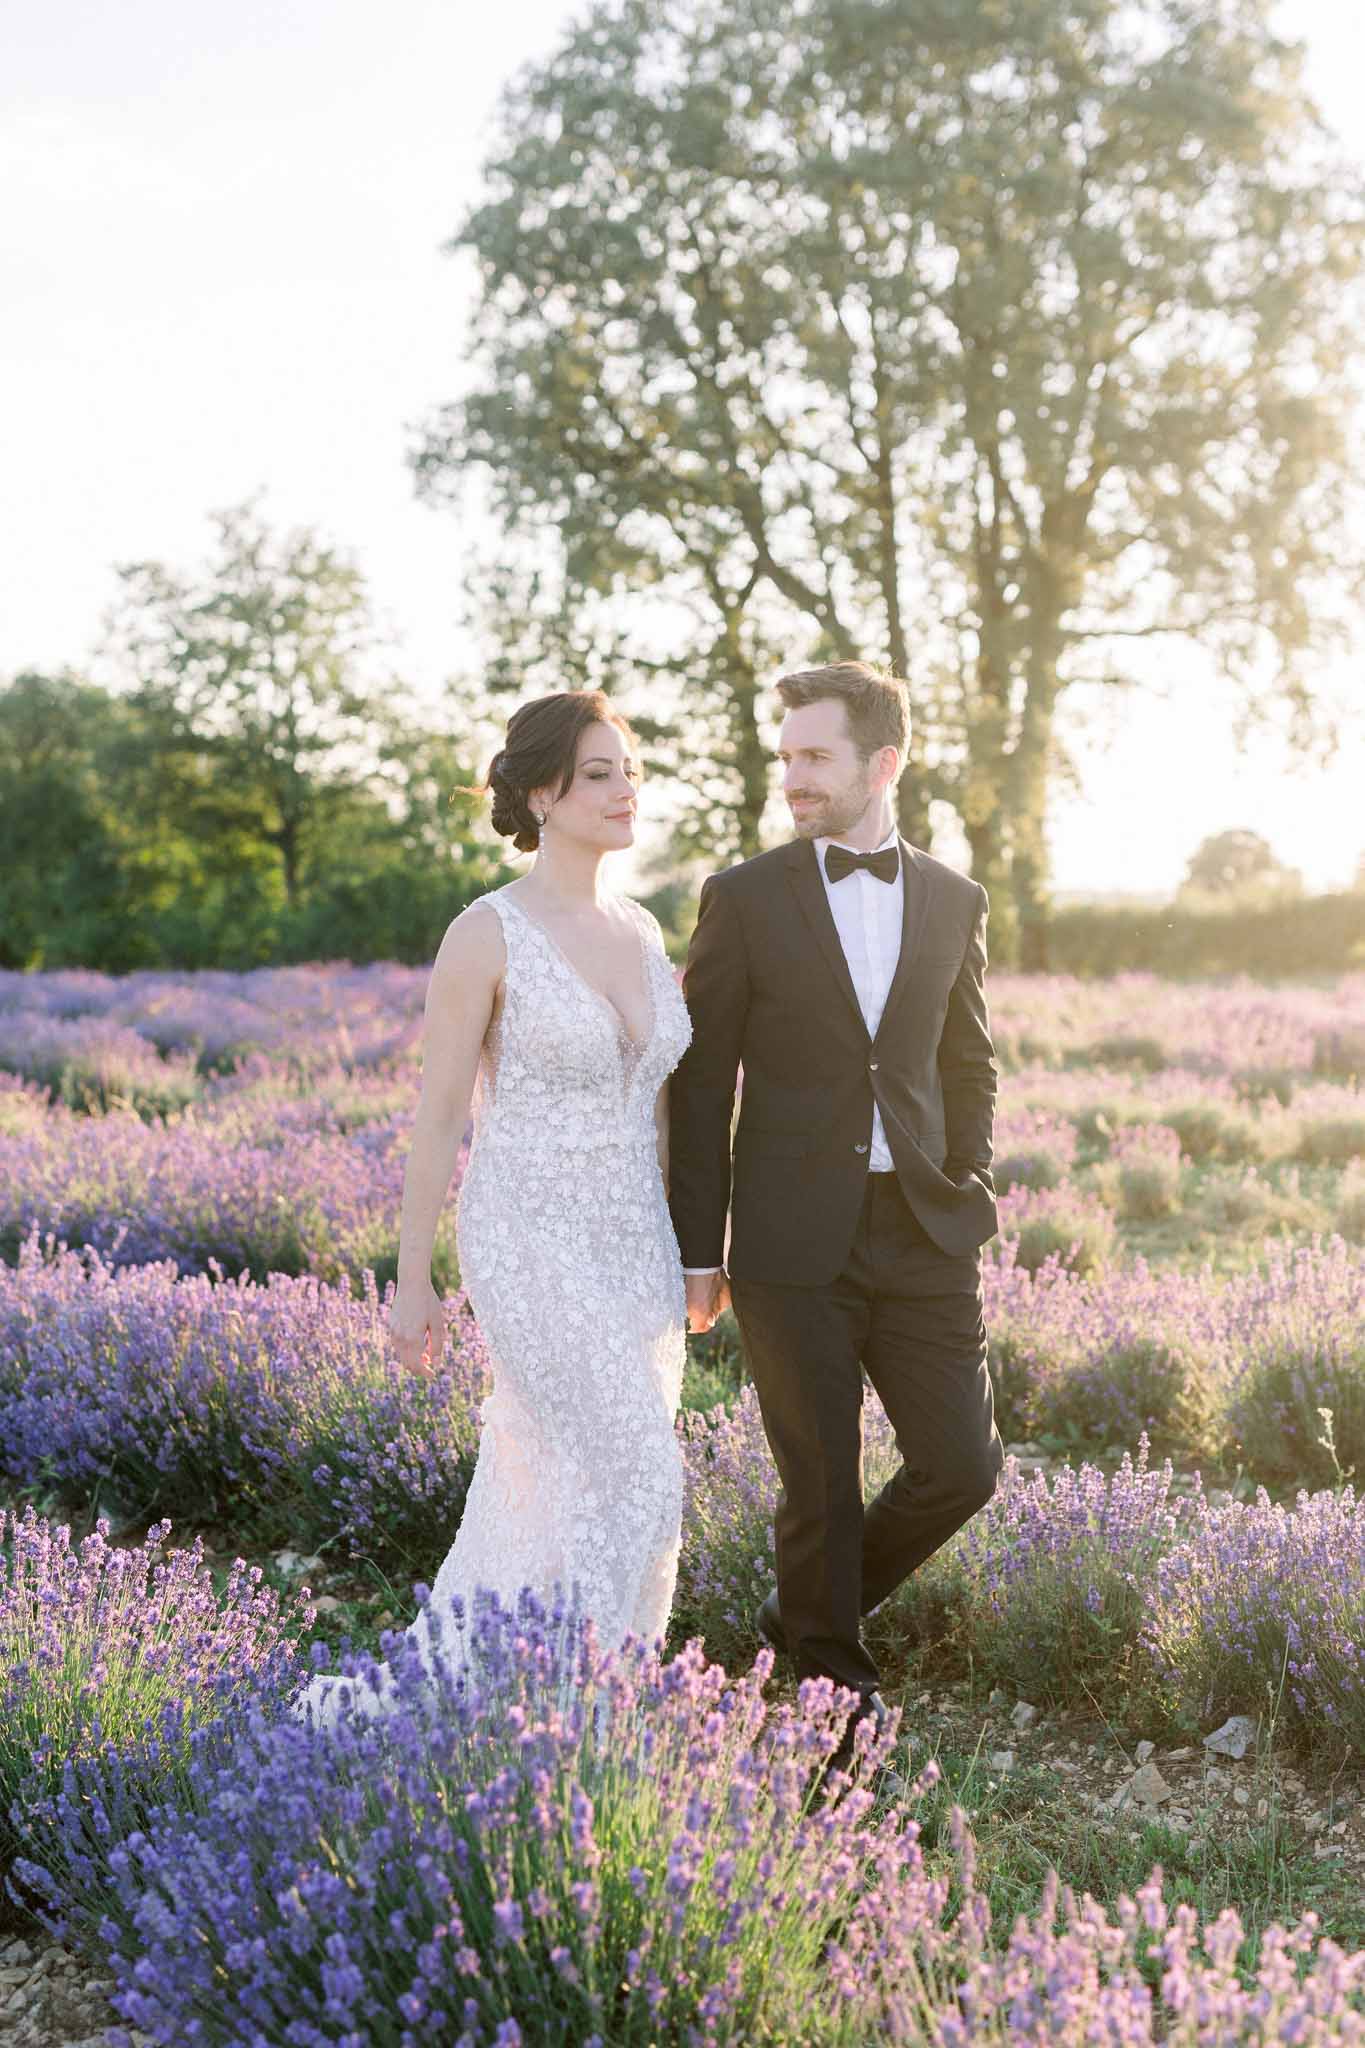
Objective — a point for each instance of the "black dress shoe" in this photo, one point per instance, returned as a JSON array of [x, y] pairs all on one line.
[[768, 1622], [871, 1706]]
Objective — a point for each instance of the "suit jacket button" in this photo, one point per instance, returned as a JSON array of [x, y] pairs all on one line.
[[873, 1064], [862, 1148]]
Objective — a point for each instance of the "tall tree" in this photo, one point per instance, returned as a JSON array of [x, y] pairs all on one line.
[[259, 663], [1237, 865], [986, 341]]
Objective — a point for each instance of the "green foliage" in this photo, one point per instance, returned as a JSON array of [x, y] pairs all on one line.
[[1170, 1387], [1053, 1623], [1149, 1188], [1208, 1129], [1276, 1414], [1032, 1169], [1332, 1140], [252, 798], [1319, 937], [61, 838], [1080, 1234], [1125, 1049]]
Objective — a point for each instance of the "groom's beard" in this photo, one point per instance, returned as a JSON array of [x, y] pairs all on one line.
[[829, 815]]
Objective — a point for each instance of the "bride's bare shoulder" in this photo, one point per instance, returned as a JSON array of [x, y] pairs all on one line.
[[473, 946]]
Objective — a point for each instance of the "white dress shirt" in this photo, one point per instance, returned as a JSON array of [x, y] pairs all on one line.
[[867, 916]]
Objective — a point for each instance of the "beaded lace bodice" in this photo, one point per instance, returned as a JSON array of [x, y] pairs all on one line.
[[560, 1047], [569, 1257]]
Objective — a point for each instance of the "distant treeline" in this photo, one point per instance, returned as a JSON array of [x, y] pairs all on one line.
[[133, 836], [140, 831], [1291, 940]]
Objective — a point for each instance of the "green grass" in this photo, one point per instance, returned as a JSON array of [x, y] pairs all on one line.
[[1203, 1232], [1031, 1819]]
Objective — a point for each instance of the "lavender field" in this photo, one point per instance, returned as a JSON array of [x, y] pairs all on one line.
[[211, 1472]]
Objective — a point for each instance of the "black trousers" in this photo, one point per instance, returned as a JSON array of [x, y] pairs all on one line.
[[912, 1315]]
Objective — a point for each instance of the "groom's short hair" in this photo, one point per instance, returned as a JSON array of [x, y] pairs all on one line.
[[877, 706]]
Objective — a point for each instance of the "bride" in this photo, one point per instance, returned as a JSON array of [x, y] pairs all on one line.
[[552, 1012]]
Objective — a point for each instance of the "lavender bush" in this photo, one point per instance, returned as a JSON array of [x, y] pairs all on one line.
[[280, 1406], [1163, 1387], [1065, 1224], [574, 1849], [1297, 1331], [1194, 1360], [1098, 1361], [1238, 1029], [300, 1015], [322, 1205], [1333, 1139], [1339, 1050], [1033, 1148], [1043, 1588], [23, 1106], [1208, 1127], [94, 1063], [1146, 1161], [1252, 1205], [1261, 1609], [587, 1851], [96, 1641], [263, 1103]]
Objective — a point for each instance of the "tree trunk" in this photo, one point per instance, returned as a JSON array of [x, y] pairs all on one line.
[[1029, 878], [912, 797], [751, 760], [1052, 593], [991, 867], [289, 854], [984, 804], [913, 788]]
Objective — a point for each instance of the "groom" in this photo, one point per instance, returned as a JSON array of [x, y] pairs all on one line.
[[843, 973]]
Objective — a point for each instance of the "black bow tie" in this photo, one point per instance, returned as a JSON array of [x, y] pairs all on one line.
[[884, 865]]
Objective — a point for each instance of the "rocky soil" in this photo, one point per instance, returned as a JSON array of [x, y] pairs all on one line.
[[52, 1999]]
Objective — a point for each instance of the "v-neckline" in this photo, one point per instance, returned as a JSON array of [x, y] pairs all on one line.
[[637, 1045]]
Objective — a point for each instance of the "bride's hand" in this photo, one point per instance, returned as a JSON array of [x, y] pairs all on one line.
[[415, 1318], [708, 1296]]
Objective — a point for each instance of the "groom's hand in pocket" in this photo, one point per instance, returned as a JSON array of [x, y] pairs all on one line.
[[708, 1296]]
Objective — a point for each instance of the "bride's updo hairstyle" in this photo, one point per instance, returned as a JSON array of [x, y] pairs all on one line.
[[539, 752]]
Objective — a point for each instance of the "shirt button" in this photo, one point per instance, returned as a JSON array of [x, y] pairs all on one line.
[[861, 1148]]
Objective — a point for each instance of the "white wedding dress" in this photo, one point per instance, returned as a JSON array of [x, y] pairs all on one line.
[[569, 1257]]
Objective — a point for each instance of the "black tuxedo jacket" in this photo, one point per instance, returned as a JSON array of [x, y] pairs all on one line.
[[769, 990]]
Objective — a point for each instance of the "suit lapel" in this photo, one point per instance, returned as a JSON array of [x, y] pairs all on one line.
[[803, 872], [913, 911]]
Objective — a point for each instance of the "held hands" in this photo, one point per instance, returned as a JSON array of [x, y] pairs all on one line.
[[417, 1327], [708, 1296]]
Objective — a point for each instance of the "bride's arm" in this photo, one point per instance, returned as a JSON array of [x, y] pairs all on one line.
[[461, 993]]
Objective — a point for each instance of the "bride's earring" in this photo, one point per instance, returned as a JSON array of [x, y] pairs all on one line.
[[539, 817]]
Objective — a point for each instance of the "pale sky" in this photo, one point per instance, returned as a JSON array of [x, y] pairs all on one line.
[[221, 271]]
